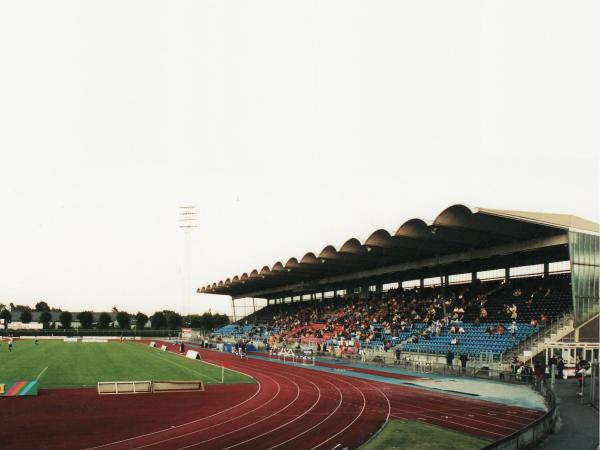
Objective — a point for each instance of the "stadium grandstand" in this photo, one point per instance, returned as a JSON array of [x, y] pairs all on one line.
[[497, 285]]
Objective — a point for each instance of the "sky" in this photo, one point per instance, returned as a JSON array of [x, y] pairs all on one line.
[[290, 125]]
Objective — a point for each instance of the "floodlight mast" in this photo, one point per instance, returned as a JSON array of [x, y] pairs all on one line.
[[187, 223]]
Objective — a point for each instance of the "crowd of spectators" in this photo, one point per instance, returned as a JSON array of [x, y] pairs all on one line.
[[422, 313]]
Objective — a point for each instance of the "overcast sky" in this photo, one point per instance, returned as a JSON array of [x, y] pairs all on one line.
[[290, 124]]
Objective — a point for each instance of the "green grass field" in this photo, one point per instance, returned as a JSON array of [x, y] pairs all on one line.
[[65, 364], [401, 434]]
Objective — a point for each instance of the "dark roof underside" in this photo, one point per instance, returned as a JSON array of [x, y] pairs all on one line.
[[458, 229]]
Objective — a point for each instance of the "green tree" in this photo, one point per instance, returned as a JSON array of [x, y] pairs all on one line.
[[20, 307], [42, 306], [86, 318], [174, 320], [6, 316], [123, 319], [65, 319], [141, 320], [195, 321], [25, 316], [220, 320], [45, 318], [206, 321], [158, 321], [104, 320]]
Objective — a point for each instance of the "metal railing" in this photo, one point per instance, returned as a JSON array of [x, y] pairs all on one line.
[[539, 336]]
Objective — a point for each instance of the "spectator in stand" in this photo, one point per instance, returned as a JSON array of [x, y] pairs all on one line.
[[483, 313], [499, 329], [513, 311], [454, 340], [513, 330]]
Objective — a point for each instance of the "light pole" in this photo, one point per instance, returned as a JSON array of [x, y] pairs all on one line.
[[187, 222]]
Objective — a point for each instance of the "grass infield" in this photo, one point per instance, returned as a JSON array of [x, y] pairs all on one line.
[[76, 364], [401, 434]]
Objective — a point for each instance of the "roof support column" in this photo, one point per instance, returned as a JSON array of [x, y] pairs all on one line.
[[233, 309]]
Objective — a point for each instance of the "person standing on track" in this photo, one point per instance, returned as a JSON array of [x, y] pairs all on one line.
[[449, 357], [560, 364], [363, 355], [463, 361]]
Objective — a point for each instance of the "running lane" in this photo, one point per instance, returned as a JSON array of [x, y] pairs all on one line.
[[295, 409]]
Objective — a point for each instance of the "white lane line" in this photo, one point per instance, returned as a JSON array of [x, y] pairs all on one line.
[[458, 416], [320, 422], [474, 409], [185, 367], [450, 421], [217, 424], [249, 425], [186, 423], [362, 410], [41, 373], [286, 423]]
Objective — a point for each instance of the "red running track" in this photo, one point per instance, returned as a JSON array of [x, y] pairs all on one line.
[[289, 408]]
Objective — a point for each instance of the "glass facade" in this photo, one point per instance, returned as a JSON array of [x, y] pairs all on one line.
[[584, 251]]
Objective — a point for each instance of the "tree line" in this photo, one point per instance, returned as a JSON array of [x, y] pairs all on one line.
[[160, 320]]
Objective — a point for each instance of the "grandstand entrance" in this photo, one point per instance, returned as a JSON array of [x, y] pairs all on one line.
[[570, 351]]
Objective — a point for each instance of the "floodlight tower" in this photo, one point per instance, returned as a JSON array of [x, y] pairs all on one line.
[[187, 223]]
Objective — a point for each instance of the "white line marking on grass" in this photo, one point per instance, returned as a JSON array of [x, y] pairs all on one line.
[[186, 367], [451, 421], [41, 373]]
